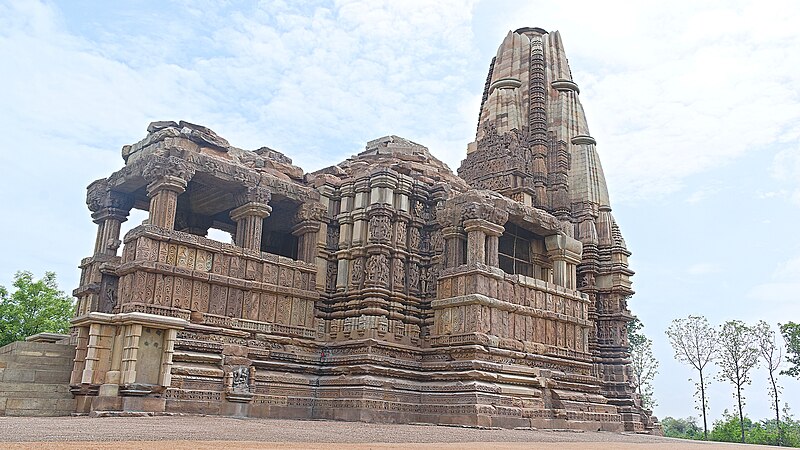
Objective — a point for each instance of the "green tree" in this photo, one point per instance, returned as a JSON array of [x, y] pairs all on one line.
[[35, 306], [728, 429], [737, 357], [681, 428], [695, 343], [764, 432], [791, 334], [771, 354], [643, 363]]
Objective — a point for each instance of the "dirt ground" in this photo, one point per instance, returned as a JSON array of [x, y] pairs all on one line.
[[200, 432]]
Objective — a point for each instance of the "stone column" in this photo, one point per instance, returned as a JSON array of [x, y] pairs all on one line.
[[565, 253], [249, 220], [493, 234], [167, 178], [454, 246], [109, 209], [309, 221], [482, 240], [250, 217]]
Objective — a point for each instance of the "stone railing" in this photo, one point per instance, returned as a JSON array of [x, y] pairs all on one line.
[[518, 310], [182, 275]]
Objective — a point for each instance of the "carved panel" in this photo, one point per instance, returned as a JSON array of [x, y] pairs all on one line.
[[399, 275], [400, 233], [378, 269], [218, 300], [379, 229], [357, 273], [414, 241], [413, 276], [331, 273]]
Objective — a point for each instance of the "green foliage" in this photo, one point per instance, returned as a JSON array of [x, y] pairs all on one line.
[[791, 334], [35, 306], [682, 428], [643, 363], [765, 432]]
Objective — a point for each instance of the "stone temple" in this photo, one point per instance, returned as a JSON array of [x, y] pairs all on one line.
[[385, 288]]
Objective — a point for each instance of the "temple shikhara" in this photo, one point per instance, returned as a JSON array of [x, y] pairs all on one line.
[[385, 288]]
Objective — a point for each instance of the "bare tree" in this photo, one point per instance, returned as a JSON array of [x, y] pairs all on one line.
[[771, 353], [643, 363], [738, 356], [695, 344]]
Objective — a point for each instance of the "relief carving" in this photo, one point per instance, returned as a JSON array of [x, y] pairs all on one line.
[[399, 277], [413, 276], [378, 269], [358, 271], [379, 228], [400, 238], [414, 241]]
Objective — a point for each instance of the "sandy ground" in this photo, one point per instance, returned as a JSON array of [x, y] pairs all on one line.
[[198, 432]]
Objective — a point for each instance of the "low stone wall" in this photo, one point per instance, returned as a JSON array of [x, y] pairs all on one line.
[[34, 379]]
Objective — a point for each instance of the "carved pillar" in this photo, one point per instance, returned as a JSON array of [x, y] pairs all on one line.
[[492, 241], [482, 241], [109, 209], [167, 177], [454, 242], [250, 217], [309, 221], [249, 220], [565, 252]]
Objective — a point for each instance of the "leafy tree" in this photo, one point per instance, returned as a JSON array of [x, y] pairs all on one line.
[[791, 334], [728, 429], [644, 364], [35, 306], [738, 356], [771, 353], [765, 432], [695, 343], [681, 428]]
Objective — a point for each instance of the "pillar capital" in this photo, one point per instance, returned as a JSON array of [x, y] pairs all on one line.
[[109, 209], [256, 194], [311, 211], [102, 201], [161, 167], [251, 209], [167, 183], [562, 247], [485, 226], [305, 227]]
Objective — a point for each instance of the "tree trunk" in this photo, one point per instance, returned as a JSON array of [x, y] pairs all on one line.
[[741, 416], [777, 409], [703, 405]]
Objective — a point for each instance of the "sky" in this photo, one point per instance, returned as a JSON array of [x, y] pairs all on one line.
[[694, 104]]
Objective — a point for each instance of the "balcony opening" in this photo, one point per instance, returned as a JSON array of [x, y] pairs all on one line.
[[522, 252]]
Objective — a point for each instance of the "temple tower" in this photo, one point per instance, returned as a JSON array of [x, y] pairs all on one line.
[[533, 145]]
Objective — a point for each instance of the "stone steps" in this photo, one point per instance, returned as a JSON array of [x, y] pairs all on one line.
[[34, 379]]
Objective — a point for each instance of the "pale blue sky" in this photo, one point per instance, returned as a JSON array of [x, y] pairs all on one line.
[[694, 105]]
